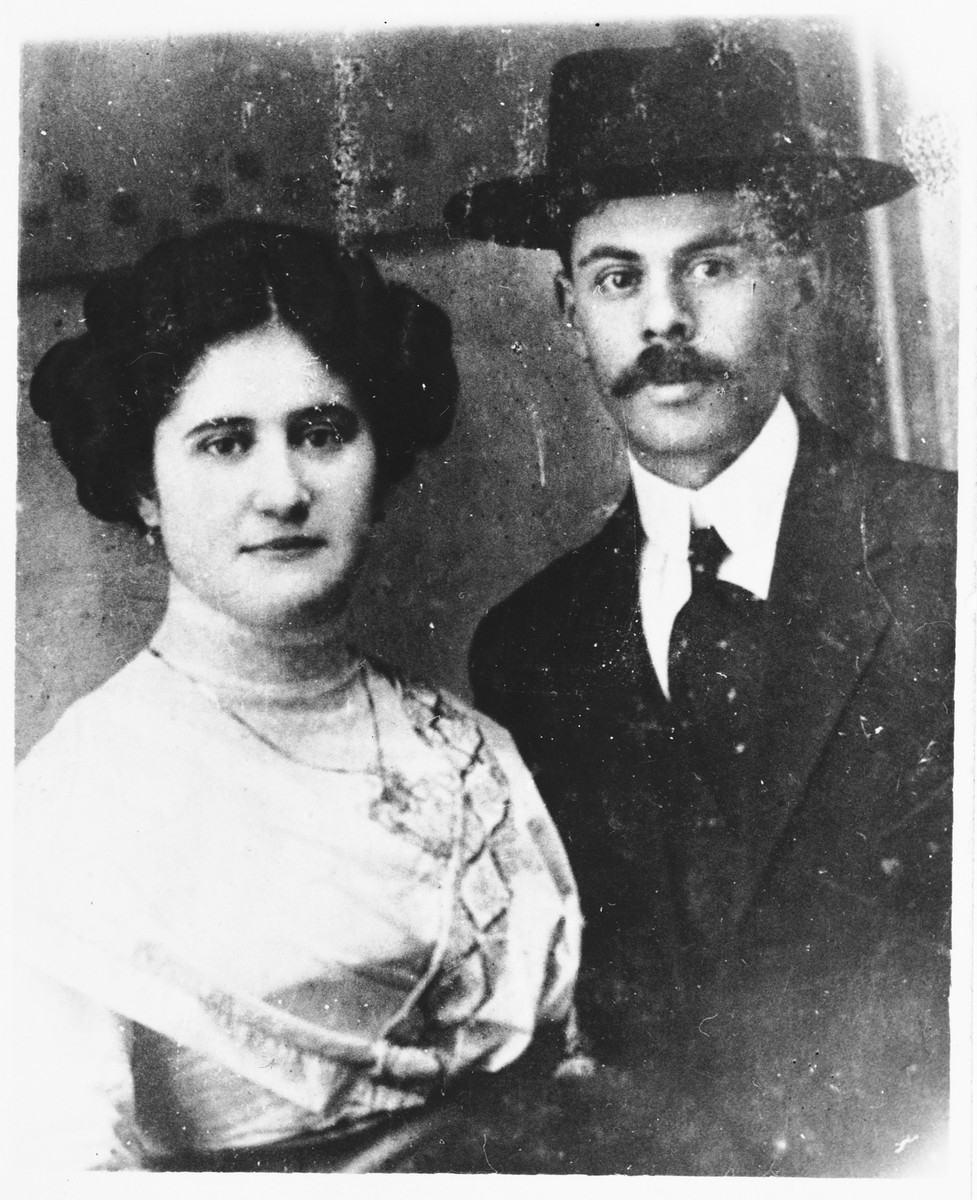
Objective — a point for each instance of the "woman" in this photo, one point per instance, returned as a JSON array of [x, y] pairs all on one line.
[[274, 897]]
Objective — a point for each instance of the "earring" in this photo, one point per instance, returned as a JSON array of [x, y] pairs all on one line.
[[151, 532]]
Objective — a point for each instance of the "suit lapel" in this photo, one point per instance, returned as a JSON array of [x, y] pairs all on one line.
[[825, 617], [609, 650], [615, 681]]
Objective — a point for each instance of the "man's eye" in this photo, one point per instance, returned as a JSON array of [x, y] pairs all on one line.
[[226, 445], [708, 270], [620, 279]]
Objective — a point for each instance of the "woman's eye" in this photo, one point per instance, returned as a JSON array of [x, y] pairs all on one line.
[[225, 445], [329, 432], [323, 435]]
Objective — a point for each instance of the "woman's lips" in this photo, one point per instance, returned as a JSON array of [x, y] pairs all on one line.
[[286, 546]]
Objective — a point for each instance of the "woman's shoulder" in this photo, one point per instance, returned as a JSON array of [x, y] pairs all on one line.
[[116, 709], [110, 750], [80, 790]]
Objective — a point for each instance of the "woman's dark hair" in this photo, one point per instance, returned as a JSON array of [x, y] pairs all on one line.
[[105, 392]]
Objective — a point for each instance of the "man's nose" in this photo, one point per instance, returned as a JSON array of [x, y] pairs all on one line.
[[280, 488], [665, 311]]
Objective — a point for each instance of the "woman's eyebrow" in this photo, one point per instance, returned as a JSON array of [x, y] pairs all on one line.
[[326, 409], [213, 423]]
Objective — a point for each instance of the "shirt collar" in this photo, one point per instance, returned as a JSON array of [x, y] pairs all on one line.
[[744, 503]]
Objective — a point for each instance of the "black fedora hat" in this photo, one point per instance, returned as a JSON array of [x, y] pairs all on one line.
[[683, 118]]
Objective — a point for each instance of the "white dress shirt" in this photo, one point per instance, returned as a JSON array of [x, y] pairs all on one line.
[[744, 504]]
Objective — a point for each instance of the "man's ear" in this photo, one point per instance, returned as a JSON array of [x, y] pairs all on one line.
[[811, 281], [566, 300], [148, 509], [563, 287]]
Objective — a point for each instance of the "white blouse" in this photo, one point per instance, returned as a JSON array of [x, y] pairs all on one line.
[[227, 947]]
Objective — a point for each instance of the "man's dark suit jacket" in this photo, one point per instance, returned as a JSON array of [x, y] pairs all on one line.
[[848, 847]]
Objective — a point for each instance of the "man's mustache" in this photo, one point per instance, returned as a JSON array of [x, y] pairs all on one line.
[[661, 365]]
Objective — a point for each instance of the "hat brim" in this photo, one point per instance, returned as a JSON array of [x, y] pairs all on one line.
[[537, 211]]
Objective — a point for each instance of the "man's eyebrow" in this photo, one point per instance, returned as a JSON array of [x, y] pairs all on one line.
[[714, 240], [717, 240], [607, 250]]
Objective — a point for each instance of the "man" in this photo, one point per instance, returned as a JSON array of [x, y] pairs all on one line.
[[746, 743]]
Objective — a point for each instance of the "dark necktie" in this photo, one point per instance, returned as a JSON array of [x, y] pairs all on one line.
[[715, 673], [715, 662]]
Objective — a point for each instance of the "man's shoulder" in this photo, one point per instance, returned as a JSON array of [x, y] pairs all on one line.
[[537, 642], [917, 502], [544, 604]]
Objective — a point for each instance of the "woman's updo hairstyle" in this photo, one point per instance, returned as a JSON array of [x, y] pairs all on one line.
[[105, 392]]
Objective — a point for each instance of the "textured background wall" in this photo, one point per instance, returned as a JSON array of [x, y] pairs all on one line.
[[125, 142]]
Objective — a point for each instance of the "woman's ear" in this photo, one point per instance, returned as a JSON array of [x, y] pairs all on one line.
[[148, 509]]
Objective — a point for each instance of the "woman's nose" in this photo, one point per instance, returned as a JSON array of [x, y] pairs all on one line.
[[279, 485], [665, 313]]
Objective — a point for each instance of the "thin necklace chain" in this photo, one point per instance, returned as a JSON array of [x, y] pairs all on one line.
[[359, 670], [336, 685]]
